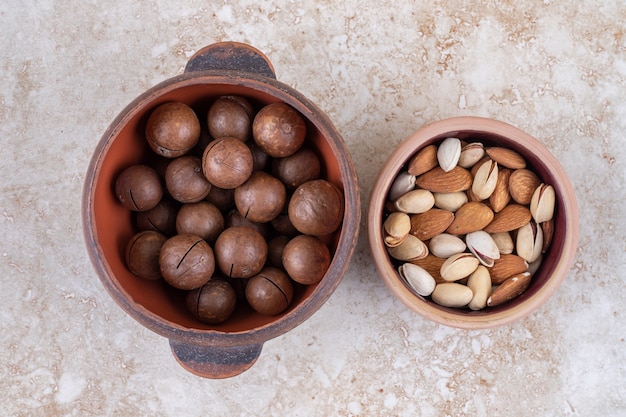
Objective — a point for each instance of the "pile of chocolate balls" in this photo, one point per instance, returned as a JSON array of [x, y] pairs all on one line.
[[235, 212]]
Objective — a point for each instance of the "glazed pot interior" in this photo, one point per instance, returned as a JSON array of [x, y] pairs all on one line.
[[154, 303], [555, 261]]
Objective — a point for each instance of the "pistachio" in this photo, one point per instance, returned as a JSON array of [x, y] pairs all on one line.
[[482, 245], [504, 241], [470, 154], [415, 201], [480, 284], [542, 203], [445, 245], [410, 249], [529, 242], [448, 153], [485, 180], [397, 226], [534, 266], [450, 201], [547, 228], [417, 278], [458, 266], [451, 294], [403, 183]]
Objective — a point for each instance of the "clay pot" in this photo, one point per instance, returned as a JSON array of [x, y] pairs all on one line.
[[556, 262], [220, 350]]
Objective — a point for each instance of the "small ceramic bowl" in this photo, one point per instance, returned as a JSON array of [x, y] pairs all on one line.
[[224, 350], [556, 262]]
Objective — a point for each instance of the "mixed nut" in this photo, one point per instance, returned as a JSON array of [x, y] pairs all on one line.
[[233, 212], [467, 224]]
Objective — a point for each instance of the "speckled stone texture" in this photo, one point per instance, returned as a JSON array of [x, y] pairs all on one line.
[[380, 69]]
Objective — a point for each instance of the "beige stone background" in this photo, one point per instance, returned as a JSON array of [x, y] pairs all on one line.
[[380, 70]]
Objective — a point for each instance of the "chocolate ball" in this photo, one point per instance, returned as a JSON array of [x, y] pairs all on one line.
[[227, 162], [184, 180], [282, 225], [212, 303], [172, 129], [294, 170], [261, 198], [316, 208], [161, 218], [234, 218], [186, 262], [275, 247], [279, 130], [139, 188], [260, 160], [202, 219], [240, 252], [306, 259], [142, 254], [223, 199], [270, 292], [230, 116]]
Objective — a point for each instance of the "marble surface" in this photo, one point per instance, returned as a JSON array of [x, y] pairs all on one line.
[[380, 69]]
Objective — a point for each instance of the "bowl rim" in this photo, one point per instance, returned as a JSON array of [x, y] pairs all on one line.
[[450, 127], [348, 235]]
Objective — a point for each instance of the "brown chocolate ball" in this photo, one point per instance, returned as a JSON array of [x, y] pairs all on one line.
[[282, 225], [294, 170], [234, 218], [260, 159], [212, 303], [306, 259], [261, 198], [142, 254], [184, 180], [201, 219], [227, 162], [275, 247], [223, 199], [270, 292], [139, 188], [230, 116], [172, 129], [279, 130], [240, 252], [186, 262], [316, 208], [161, 218]]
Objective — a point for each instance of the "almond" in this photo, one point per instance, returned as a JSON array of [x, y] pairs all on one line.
[[471, 217], [424, 160], [511, 217], [507, 266], [431, 223], [509, 289], [432, 265], [438, 181], [548, 231], [506, 157], [522, 185], [501, 196]]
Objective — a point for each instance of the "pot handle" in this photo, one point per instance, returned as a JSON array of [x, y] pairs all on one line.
[[215, 362], [231, 56]]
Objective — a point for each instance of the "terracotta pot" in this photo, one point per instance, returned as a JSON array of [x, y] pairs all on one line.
[[213, 351], [556, 261]]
